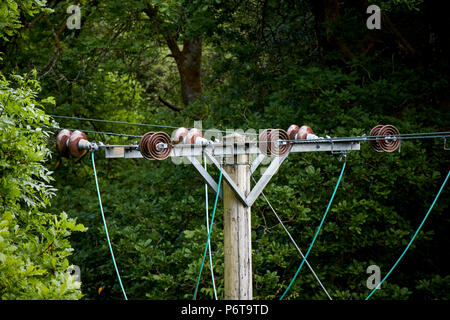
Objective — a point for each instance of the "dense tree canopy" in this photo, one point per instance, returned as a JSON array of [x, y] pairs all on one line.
[[234, 64]]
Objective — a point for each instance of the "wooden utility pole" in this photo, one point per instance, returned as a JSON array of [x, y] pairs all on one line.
[[237, 227]]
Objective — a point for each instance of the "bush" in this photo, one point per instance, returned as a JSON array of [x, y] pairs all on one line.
[[34, 246]]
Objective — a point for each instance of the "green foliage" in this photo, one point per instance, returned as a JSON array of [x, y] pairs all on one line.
[[398, 5], [11, 10], [34, 245]]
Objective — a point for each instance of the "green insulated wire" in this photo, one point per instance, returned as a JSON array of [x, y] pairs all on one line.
[[209, 234], [207, 228], [412, 239], [106, 228], [317, 232]]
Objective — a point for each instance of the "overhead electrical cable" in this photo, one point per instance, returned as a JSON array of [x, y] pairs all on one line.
[[106, 229], [98, 132], [412, 239], [317, 232], [405, 136], [295, 244], [139, 124], [209, 235], [207, 228], [330, 140]]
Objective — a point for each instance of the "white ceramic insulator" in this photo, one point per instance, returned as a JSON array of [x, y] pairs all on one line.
[[201, 141], [310, 136]]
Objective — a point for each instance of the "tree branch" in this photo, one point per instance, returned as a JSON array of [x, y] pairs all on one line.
[[404, 42], [168, 104], [171, 39]]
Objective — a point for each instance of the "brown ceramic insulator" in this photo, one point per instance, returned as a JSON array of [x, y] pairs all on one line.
[[303, 132], [268, 142], [152, 146], [374, 143], [143, 146], [276, 149], [75, 137], [148, 146], [292, 131], [193, 134], [61, 142], [179, 135], [264, 142], [388, 145]]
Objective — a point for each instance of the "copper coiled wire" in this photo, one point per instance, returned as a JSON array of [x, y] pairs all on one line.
[[268, 142], [374, 133], [385, 143], [148, 146], [389, 145]]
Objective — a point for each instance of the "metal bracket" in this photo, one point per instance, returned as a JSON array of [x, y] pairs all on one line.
[[259, 186], [191, 152], [230, 181], [445, 145], [205, 175], [265, 178], [255, 164]]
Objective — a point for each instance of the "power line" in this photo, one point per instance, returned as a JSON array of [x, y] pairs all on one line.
[[404, 136], [209, 235], [295, 244], [207, 228], [106, 228], [136, 124], [412, 239], [317, 232], [99, 132], [113, 121]]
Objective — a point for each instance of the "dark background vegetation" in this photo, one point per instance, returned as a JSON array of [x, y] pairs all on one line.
[[248, 64]]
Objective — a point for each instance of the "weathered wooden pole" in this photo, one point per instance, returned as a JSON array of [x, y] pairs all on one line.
[[237, 227]]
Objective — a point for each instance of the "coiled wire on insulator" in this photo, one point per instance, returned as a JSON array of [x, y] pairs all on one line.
[[155, 146], [274, 142], [386, 138]]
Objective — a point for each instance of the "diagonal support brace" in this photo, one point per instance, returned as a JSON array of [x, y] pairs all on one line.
[[265, 178], [230, 181], [257, 162], [211, 182]]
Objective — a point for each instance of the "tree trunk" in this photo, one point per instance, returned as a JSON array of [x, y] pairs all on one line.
[[326, 15], [189, 62]]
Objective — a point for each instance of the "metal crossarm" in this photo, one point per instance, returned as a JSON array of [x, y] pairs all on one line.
[[218, 149], [230, 181], [191, 152]]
